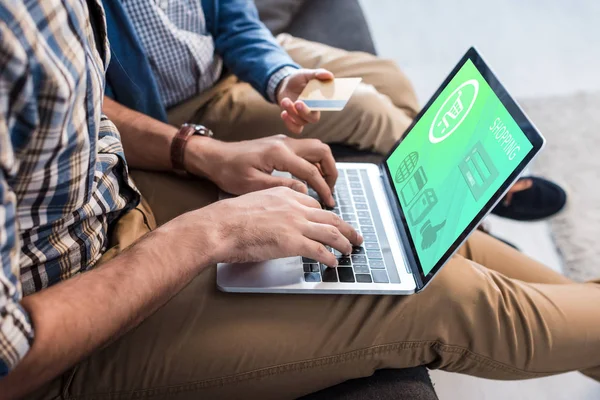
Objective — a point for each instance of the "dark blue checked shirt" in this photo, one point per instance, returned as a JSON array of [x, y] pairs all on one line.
[[63, 176], [181, 51]]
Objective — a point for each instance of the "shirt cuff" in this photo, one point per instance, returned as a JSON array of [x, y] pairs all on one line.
[[276, 79], [16, 336]]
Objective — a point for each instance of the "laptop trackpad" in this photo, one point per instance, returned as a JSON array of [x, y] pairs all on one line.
[[274, 273]]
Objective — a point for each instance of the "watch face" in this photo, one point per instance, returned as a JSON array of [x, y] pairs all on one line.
[[195, 126], [199, 129]]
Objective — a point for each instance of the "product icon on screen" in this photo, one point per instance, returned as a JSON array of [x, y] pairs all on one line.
[[478, 170], [407, 166], [422, 207], [414, 186], [430, 233]]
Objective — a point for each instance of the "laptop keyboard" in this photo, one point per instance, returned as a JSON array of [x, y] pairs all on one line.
[[366, 264]]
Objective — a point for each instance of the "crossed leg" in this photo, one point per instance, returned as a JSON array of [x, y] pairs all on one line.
[[510, 319], [380, 110]]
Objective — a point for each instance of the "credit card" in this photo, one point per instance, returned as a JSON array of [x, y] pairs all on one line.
[[329, 95]]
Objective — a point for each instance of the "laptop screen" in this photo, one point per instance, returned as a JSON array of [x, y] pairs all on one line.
[[455, 158]]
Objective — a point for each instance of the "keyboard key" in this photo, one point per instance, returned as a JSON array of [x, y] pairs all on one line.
[[347, 210], [351, 172], [371, 246], [357, 192], [363, 278], [343, 261], [307, 260], [328, 274], [358, 250], [349, 217], [365, 221], [336, 211], [341, 173], [355, 185], [312, 277], [311, 267], [344, 202], [370, 237], [377, 264], [353, 224], [345, 274], [359, 259], [374, 254], [361, 206], [367, 229], [380, 276], [353, 178], [360, 199], [343, 196], [363, 214], [360, 268]]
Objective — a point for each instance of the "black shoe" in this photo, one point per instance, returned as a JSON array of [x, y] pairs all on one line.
[[542, 200]]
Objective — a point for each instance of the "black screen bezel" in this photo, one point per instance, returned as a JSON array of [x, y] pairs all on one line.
[[532, 134]]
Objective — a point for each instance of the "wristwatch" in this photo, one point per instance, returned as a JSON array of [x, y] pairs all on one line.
[[180, 141]]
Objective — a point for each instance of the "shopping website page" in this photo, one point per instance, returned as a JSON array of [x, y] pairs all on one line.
[[453, 161]]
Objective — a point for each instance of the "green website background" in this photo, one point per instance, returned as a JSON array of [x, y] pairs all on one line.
[[442, 186]]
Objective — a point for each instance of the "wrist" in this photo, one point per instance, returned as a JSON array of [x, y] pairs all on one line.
[[279, 90], [277, 83], [192, 239], [201, 156]]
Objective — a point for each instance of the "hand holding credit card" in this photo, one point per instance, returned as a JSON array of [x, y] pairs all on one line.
[[330, 95]]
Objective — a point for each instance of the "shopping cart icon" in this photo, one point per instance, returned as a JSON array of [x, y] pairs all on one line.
[[452, 113]]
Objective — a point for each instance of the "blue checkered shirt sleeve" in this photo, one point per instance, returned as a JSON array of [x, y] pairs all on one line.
[[16, 332], [64, 181]]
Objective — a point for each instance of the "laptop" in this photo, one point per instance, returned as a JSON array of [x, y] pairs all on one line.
[[462, 153]]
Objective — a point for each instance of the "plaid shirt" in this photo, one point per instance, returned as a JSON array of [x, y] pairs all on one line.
[[63, 177], [181, 52]]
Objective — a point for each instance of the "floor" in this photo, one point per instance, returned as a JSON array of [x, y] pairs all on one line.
[[537, 48]]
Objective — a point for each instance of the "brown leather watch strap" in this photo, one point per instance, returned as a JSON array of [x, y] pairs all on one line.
[[178, 146]]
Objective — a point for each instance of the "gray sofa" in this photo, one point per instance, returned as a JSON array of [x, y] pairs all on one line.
[[341, 23]]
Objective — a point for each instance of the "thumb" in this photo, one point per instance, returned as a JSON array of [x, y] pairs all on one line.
[[320, 74], [270, 181]]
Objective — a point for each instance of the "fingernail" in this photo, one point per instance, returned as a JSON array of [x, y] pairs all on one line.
[[332, 200], [335, 264], [300, 106]]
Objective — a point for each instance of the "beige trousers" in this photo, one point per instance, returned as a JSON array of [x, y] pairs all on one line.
[[375, 118], [491, 312]]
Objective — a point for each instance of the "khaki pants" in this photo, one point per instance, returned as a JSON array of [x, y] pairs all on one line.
[[491, 312], [375, 118]]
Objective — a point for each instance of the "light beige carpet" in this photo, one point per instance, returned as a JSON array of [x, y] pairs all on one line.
[[571, 126]]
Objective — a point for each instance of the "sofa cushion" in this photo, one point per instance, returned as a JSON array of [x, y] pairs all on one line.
[[386, 384], [337, 23], [278, 14]]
